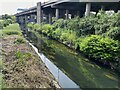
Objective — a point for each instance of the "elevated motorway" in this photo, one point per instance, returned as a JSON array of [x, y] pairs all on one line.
[[64, 8], [75, 4]]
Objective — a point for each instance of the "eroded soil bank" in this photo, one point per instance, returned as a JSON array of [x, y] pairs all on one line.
[[22, 68]]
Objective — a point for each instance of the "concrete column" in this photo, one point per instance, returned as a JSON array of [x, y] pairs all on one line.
[[39, 13], [57, 14], [26, 19], [50, 18], [33, 18], [67, 14], [88, 7], [21, 19]]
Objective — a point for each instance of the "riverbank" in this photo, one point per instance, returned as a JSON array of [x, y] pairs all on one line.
[[90, 35], [81, 70], [22, 68]]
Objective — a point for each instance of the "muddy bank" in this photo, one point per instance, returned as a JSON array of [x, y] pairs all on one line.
[[22, 68]]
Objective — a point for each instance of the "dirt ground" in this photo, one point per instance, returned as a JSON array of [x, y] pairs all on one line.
[[28, 73]]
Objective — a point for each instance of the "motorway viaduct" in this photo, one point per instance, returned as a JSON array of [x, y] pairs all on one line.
[[64, 9]]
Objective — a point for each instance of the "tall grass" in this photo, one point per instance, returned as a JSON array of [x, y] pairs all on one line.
[[12, 29]]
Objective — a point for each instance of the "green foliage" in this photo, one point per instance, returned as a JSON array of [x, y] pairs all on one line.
[[105, 23], [57, 33], [5, 23], [114, 33], [86, 25], [64, 36], [59, 23], [6, 20], [1, 24], [6, 16], [94, 35], [68, 37], [12, 30], [22, 57], [30, 26], [19, 41], [73, 24], [13, 18], [105, 50], [47, 29], [36, 26]]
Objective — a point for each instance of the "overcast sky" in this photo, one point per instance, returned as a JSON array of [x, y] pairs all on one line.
[[11, 6]]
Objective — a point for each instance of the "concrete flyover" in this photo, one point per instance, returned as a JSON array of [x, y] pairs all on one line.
[[64, 9]]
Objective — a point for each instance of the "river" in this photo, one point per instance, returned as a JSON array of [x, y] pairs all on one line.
[[82, 71]]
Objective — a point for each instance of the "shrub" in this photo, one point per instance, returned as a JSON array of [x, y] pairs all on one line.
[[36, 27], [105, 22], [57, 33], [47, 29], [59, 24], [73, 24], [72, 38], [114, 33], [64, 37], [105, 50], [30, 26]]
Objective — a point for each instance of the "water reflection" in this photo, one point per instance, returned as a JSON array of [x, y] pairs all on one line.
[[82, 71], [63, 80]]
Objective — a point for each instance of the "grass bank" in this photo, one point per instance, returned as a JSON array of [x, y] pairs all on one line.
[[22, 68]]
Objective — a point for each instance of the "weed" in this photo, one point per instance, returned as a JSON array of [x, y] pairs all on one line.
[[19, 41], [22, 57]]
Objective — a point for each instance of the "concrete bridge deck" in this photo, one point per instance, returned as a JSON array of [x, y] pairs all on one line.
[[64, 8]]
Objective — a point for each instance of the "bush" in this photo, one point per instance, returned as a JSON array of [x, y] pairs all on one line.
[[57, 33], [64, 37], [47, 29], [114, 33], [73, 24], [59, 24], [36, 27], [30, 26], [102, 49], [105, 22]]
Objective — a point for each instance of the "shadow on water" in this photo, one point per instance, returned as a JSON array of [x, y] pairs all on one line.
[[82, 71]]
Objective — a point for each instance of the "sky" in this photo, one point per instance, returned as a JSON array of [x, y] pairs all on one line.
[[10, 6]]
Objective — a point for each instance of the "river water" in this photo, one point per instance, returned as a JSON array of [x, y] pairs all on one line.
[[79, 69]]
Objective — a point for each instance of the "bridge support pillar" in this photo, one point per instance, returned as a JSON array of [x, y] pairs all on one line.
[[26, 19], [57, 14], [32, 19], [67, 14], [88, 7], [50, 18], [39, 13]]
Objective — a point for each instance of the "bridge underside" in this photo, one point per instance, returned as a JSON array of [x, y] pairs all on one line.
[[63, 10]]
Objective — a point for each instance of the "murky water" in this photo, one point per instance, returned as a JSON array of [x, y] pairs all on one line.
[[63, 80], [82, 71]]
